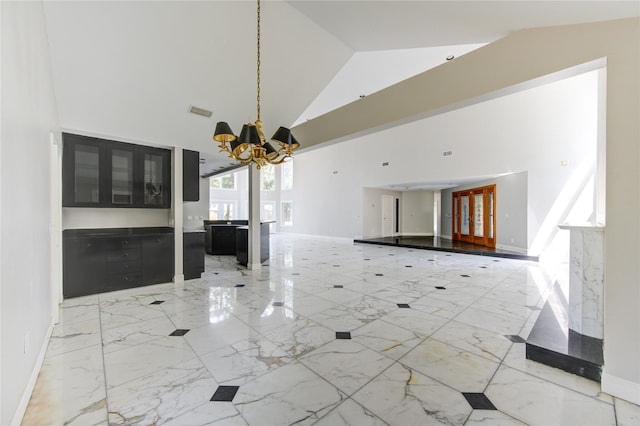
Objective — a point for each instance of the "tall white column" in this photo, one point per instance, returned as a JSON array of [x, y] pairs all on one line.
[[254, 219], [178, 219]]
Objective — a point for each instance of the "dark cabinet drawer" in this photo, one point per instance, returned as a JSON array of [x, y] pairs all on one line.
[[130, 255], [122, 281], [123, 267]]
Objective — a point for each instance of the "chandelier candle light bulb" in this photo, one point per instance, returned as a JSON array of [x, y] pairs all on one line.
[[251, 146]]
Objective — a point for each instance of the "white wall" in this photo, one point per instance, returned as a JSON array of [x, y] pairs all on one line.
[[85, 218], [372, 210], [29, 115], [533, 130], [417, 213], [196, 211]]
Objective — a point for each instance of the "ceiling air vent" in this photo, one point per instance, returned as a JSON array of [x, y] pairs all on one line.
[[200, 111]]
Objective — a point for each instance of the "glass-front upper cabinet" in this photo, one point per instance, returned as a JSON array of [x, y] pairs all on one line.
[[81, 172], [155, 183], [122, 179], [102, 173]]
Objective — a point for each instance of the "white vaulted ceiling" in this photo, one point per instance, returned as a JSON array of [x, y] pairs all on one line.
[[130, 70]]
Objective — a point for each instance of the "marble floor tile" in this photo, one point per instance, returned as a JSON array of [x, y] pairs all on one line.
[[117, 338], [289, 395], [300, 336], [451, 366], [162, 395], [304, 352], [74, 335], [70, 390], [523, 397], [421, 323], [241, 362], [346, 364], [225, 332], [402, 396], [502, 323], [350, 413], [627, 414], [478, 341], [138, 361], [388, 339], [491, 418]]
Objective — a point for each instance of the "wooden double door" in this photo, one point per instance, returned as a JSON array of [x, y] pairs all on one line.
[[474, 218]]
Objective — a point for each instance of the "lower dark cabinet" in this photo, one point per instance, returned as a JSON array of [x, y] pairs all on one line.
[[193, 255], [157, 259], [102, 260]]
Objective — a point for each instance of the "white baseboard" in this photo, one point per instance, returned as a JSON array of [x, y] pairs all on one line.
[[317, 237], [511, 248], [446, 236], [31, 384], [417, 234], [621, 388]]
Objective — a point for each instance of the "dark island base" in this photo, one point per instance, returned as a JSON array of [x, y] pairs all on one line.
[[552, 343]]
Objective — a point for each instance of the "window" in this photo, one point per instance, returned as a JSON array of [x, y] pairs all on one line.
[[287, 213], [287, 175], [227, 181], [268, 178], [268, 211], [222, 210]]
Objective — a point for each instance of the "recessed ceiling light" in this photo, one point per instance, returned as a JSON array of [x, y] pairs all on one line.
[[362, 96], [450, 57]]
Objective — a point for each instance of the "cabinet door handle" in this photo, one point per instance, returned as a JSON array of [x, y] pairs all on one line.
[[125, 242]]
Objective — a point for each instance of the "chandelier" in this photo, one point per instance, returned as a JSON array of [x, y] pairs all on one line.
[[251, 146]]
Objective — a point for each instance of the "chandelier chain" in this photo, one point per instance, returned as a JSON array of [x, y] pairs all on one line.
[[258, 62]]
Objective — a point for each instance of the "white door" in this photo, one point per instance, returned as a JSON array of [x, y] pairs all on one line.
[[387, 215]]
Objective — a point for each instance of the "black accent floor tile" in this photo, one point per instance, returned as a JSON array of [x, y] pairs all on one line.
[[338, 286], [367, 259], [515, 338], [431, 260], [239, 285], [465, 275], [483, 267], [379, 275], [478, 401], [343, 335], [296, 273], [157, 302], [439, 287], [225, 393], [278, 303], [180, 332], [336, 266], [403, 305], [408, 266]]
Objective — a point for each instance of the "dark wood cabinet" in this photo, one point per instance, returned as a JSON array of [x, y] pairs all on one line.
[[102, 260], [157, 258], [190, 175], [193, 255], [102, 173]]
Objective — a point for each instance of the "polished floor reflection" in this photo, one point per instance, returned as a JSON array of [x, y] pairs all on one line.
[[330, 333]]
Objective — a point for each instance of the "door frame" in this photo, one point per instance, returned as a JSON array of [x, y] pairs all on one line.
[[488, 237]]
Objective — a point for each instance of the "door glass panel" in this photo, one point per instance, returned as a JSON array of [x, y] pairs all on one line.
[[87, 176], [121, 177], [455, 215], [490, 214], [465, 214], [478, 216], [154, 193]]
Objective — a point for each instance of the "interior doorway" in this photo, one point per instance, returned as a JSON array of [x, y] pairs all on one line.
[[388, 202], [474, 218]]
